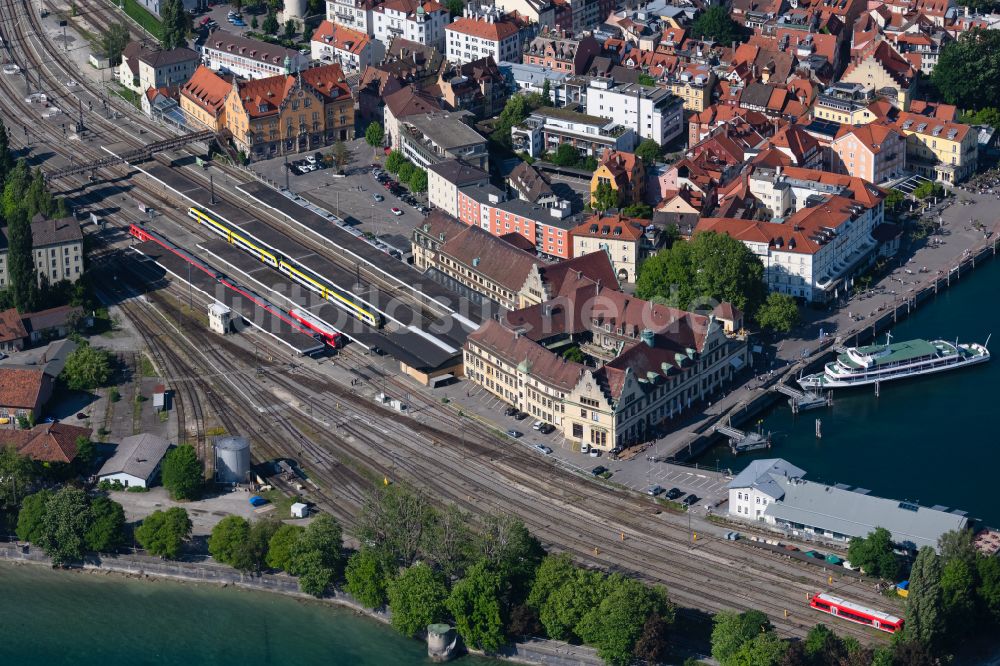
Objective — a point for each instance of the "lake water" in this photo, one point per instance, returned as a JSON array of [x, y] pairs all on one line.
[[52, 617], [930, 439]]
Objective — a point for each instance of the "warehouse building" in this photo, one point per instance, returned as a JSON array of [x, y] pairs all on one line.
[[136, 461]]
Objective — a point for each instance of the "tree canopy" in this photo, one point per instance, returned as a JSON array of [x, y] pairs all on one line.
[[615, 624], [716, 24], [163, 533], [393, 519], [709, 268], [182, 473], [367, 576], [174, 24], [374, 135], [226, 544], [16, 476], [64, 526], [31, 515], [874, 553], [968, 72], [279, 549], [566, 156], [87, 368], [394, 160], [417, 598], [924, 601], [106, 531], [417, 180], [317, 556], [649, 150], [732, 630], [475, 604], [605, 197], [779, 313]]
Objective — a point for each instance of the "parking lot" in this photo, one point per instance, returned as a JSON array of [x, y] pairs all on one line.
[[351, 195], [637, 474]]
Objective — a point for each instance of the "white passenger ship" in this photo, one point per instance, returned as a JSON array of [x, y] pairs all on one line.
[[856, 366]]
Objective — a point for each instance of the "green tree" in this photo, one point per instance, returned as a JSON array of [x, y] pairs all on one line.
[[368, 573], [604, 197], [290, 29], [174, 26], [475, 604], [375, 135], [64, 526], [16, 476], [710, 267], [875, 555], [566, 156], [957, 544], [163, 533], [563, 593], [893, 198], [968, 72], [254, 23], [15, 189], [227, 540], [270, 24], [394, 160], [779, 313], [716, 24], [106, 531], [640, 210], [958, 595], [87, 368], [514, 113], [455, 7], [279, 550], [546, 93], [822, 646], [732, 630], [575, 354], [928, 189], [646, 80], [448, 540], [20, 261], [86, 452], [764, 649], [341, 156], [509, 548], [114, 42], [406, 170], [913, 653], [417, 598], [259, 542], [317, 555], [923, 604], [182, 473], [31, 516], [649, 150], [615, 624], [6, 157], [417, 180], [988, 116], [988, 590], [394, 519]]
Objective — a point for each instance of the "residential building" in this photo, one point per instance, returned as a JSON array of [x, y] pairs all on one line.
[[290, 113], [624, 239], [530, 185], [478, 87], [774, 492], [799, 147], [624, 173], [143, 68], [429, 138], [420, 21], [481, 33], [939, 149], [663, 360], [548, 127], [532, 78], [883, 72], [540, 12], [403, 103], [559, 53], [51, 324], [845, 103], [445, 177], [58, 250], [161, 104], [24, 392], [48, 443], [136, 461], [203, 99], [12, 331], [248, 58], [652, 113], [875, 152], [351, 49], [352, 14], [693, 84]]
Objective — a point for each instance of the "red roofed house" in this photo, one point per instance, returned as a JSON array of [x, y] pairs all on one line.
[[483, 33], [624, 173], [801, 148], [46, 442], [12, 331], [351, 49], [203, 98], [882, 71], [623, 238], [875, 152], [23, 391]]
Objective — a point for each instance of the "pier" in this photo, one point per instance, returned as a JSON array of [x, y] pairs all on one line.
[[742, 442], [801, 401]]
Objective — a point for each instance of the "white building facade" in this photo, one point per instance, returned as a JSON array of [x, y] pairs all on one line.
[[653, 113], [483, 33], [420, 22]]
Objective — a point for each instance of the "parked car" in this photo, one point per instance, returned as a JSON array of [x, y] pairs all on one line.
[[537, 425], [543, 449], [520, 416], [595, 453], [690, 499], [510, 411], [653, 491], [584, 447], [546, 428], [732, 536], [600, 469], [81, 416], [239, 23], [516, 434], [674, 493], [378, 197]]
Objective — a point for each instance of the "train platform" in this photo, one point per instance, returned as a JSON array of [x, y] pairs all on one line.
[[305, 216], [282, 332], [408, 347]]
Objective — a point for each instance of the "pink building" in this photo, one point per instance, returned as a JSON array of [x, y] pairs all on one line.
[[875, 152]]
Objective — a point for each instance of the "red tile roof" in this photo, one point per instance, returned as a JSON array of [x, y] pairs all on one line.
[[516, 349], [11, 326], [616, 227], [47, 442], [495, 31], [207, 90], [21, 388], [341, 38]]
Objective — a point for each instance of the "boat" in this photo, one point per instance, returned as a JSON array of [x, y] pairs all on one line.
[[857, 366]]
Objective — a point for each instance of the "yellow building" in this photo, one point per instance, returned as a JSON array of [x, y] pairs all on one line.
[[203, 98], [939, 149], [693, 84], [290, 113], [624, 172], [883, 72]]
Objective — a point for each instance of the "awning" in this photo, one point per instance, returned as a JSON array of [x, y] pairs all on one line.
[[736, 362]]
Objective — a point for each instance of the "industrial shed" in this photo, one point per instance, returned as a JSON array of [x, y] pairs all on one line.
[[136, 460]]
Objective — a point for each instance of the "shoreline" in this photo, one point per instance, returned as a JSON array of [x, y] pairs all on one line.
[[144, 568]]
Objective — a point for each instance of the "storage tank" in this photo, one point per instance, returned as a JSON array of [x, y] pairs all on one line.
[[295, 10], [232, 459]]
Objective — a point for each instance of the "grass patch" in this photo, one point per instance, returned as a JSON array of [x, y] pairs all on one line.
[[215, 432], [672, 505], [129, 96], [282, 503], [144, 18], [146, 367]]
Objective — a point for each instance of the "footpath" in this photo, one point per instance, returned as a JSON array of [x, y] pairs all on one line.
[[532, 651]]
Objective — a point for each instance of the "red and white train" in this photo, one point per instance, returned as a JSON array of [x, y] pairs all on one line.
[[330, 335], [852, 612]]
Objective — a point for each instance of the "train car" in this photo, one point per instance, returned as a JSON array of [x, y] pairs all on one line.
[[236, 237], [330, 335], [142, 234], [852, 612]]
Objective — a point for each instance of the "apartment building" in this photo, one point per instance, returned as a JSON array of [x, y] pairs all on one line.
[[429, 138], [353, 14], [420, 21], [446, 177], [548, 127], [203, 99], [481, 33], [693, 84], [875, 152], [290, 113], [939, 149], [57, 247], [248, 58], [143, 68], [624, 173], [650, 112], [351, 49], [624, 239], [559, 53]]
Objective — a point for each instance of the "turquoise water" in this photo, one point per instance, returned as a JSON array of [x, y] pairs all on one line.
[[51, 617], [932, 439]]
